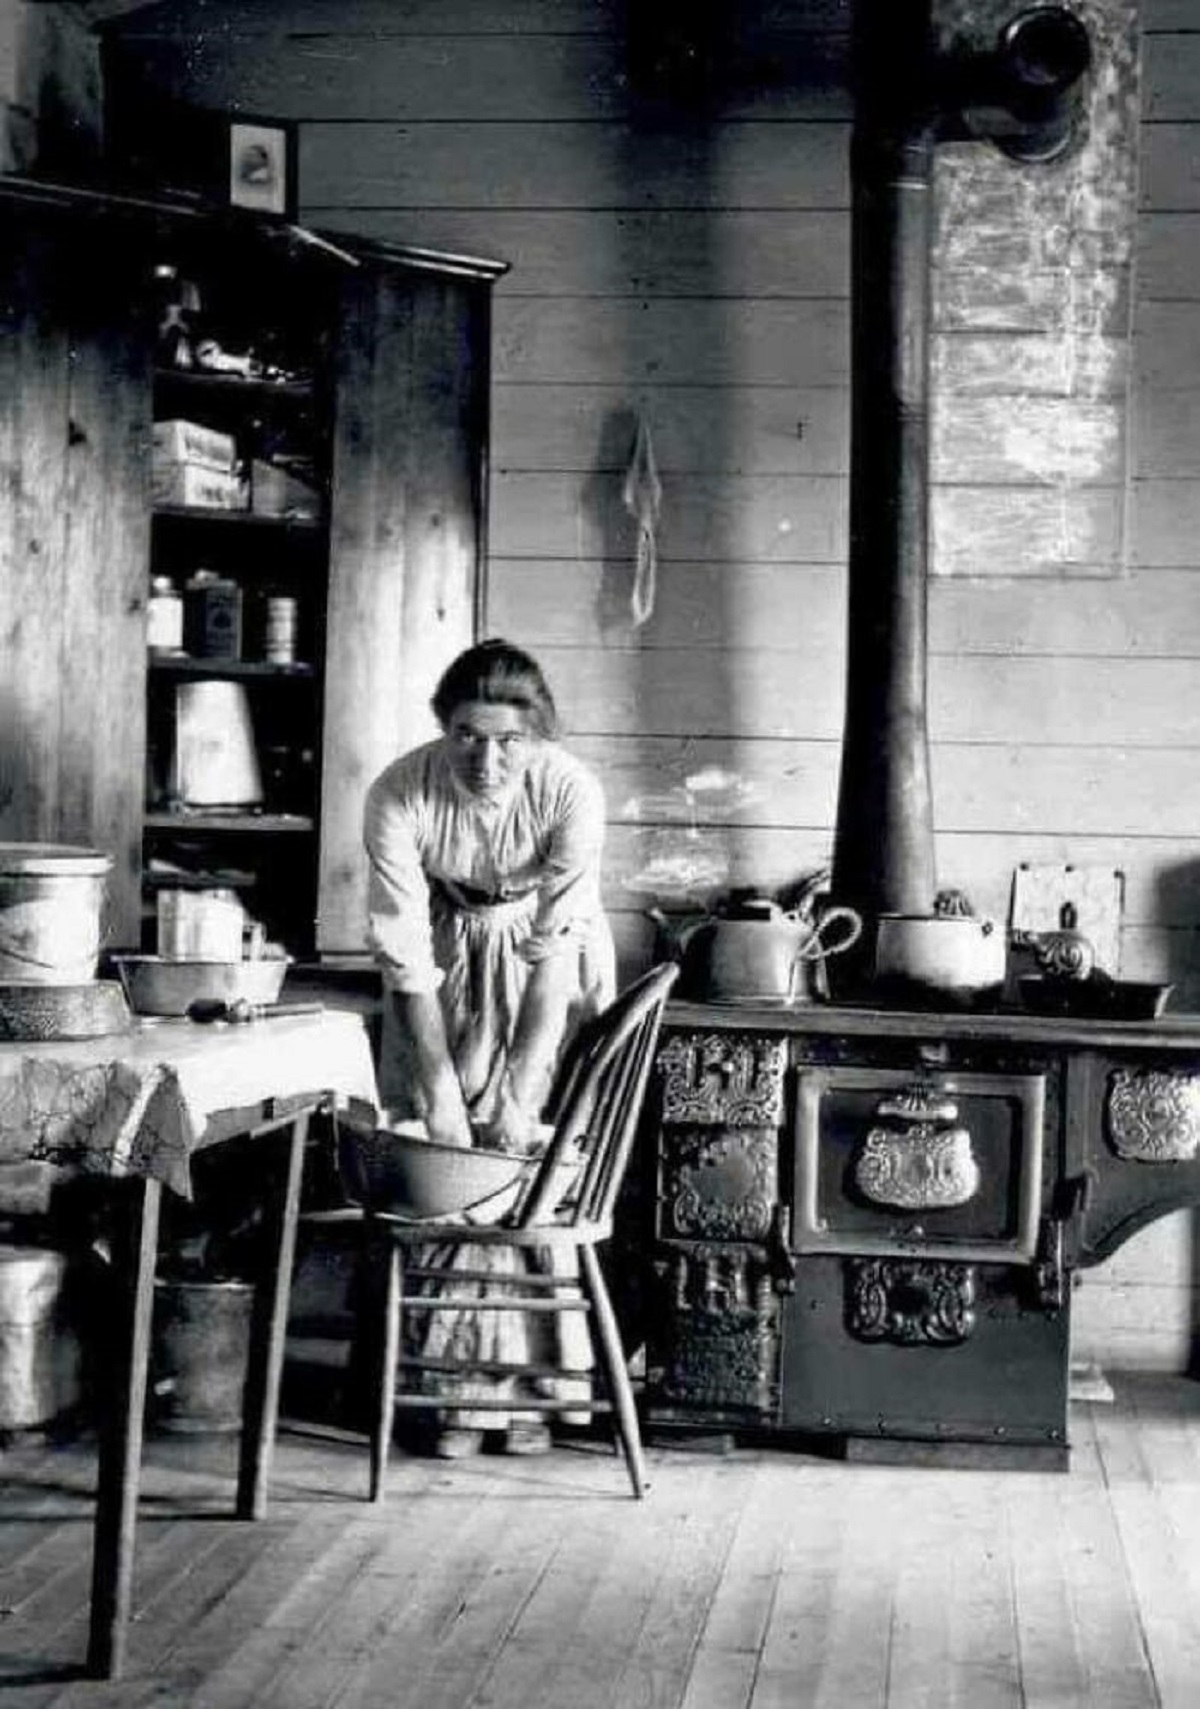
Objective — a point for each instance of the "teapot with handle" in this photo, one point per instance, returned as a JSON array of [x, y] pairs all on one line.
[[756, 951]]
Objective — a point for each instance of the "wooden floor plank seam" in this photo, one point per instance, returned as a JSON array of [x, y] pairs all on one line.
[[1118, 1460], [449, 1569], [676, 1616]]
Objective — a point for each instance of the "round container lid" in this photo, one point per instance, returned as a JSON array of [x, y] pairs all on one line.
[[52, 859]]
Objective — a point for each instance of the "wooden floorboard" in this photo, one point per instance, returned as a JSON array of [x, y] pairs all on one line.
[[725, 1657], [751, 1579]]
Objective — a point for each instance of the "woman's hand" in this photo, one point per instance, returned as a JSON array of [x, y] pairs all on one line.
[[511, 1125], [538, 1035], [437, 1094], [447, 1123]]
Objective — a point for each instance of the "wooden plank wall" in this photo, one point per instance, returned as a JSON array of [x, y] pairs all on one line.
[[1142, 1308], [411, 381], [693, 267], [74, 423], [697, 269], [50, 89]]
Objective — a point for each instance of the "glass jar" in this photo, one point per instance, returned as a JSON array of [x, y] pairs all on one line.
[[164, 616]]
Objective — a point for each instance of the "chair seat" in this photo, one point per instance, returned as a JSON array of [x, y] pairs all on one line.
[[409, 1232]]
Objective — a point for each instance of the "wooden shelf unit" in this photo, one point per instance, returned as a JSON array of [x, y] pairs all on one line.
[[388, 408]]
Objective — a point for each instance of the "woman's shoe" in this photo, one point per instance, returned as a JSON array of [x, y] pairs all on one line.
[[527, 1439], [457, 1444]]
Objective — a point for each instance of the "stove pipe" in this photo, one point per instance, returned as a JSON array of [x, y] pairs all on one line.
[[1022, 96]]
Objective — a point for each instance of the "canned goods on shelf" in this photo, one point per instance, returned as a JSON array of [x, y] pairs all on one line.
[[279, 630]]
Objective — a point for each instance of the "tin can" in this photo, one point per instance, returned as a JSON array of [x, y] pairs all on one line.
[[212, 616], [200, 925], [279, 630]]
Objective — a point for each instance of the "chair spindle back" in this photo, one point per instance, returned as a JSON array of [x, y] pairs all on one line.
[[599, 1101]]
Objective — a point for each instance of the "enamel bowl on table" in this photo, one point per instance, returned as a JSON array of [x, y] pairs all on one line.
[[156, 985]]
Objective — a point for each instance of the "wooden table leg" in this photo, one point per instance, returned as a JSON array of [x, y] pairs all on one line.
[[267, 1334], [136, 1206]]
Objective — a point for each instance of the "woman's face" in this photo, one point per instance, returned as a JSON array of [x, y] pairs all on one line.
[[488, 745]]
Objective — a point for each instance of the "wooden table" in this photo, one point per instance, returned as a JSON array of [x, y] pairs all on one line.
[[131, 1110]]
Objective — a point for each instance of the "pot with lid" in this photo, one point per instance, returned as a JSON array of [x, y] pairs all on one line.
[[951, 953], [754, 951]]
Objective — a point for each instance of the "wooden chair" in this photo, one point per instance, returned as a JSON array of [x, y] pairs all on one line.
[[596, 1109]]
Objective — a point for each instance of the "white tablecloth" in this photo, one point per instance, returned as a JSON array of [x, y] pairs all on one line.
[[140, 1103]]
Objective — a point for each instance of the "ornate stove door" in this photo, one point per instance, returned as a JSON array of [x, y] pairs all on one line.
[[718, 1246], [925, 1307]]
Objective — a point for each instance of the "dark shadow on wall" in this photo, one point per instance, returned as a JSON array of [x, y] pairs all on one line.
[[680, 671], [697, 71], [683, 700], [1176, 915], [701, 55], [607, 521]]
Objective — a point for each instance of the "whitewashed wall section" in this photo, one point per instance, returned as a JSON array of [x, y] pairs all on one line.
[[1032, 271]]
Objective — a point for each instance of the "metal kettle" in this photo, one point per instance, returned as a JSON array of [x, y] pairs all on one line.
[[753, 950]]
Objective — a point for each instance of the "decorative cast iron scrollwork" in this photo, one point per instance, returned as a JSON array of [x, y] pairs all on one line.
[[1154, 1115], [722, 1331], [920, 1158], [722, 1365], [918, 1103], [719, 1184], [722, 1080], [910, 1301]]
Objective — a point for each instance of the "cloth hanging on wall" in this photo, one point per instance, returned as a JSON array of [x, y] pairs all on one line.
[[642, 497]]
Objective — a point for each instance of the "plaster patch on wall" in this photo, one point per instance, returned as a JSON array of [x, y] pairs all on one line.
[[1048, 445], [690, 861], [1045, 441], [712, 792], [1028, 366], [1032, 294], [680, 864], [1059, 528], [719, 788]]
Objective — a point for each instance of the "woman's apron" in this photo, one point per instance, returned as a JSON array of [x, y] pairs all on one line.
[[476, 941]]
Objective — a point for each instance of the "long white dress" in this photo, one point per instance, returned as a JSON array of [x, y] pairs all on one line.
[[465, 895]]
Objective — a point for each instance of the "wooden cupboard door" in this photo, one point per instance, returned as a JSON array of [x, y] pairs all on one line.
[[75, 353], [405, 529]]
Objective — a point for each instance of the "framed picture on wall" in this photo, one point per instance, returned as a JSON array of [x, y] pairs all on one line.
[[262, 166]]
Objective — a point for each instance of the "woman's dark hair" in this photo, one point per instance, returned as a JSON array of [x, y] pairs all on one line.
[[502, 674]]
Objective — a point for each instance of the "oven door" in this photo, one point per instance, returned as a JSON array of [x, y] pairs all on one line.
[[919, 1310]]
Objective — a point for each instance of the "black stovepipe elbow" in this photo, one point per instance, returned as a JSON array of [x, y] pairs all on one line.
[[1026, 96]]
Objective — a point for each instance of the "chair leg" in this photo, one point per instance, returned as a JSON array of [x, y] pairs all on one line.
[[384, 1386], [613, 1356]]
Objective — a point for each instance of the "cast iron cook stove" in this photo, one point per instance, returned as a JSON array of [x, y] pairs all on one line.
[[866, 1221]]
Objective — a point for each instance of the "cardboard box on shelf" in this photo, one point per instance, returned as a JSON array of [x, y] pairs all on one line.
[[180, 441], [192, 484], [275, 491]]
